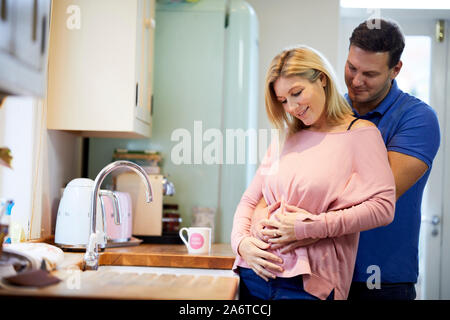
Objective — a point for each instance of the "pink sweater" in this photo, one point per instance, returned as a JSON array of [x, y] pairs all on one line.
[[344, 180]]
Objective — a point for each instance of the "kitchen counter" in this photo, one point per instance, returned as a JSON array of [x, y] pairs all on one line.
[[169, 255], [162, 280]]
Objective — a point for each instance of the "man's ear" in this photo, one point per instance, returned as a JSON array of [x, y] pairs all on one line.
[[396, 70]]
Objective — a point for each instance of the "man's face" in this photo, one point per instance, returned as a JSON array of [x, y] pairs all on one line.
[[368, 77]]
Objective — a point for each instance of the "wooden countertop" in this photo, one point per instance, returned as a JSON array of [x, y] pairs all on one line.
[[132, 285], [169, 255]]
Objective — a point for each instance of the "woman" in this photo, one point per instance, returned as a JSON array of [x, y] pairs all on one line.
[[331, 168]]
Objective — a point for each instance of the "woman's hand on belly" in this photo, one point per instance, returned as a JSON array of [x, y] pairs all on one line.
[[254, 253], [280, 229], [261, 212]]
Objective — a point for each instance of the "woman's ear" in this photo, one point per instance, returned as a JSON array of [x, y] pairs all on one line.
[[323, 79]]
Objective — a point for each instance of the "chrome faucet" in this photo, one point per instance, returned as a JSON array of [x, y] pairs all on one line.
[[90, 261]]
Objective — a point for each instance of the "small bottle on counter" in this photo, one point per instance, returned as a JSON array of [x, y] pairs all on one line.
[[171, 218], [5, 220]]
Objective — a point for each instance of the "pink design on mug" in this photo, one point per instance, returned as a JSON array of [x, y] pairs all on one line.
[[196, 241]]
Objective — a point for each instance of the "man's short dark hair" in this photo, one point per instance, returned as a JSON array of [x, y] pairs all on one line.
[[379, 35]]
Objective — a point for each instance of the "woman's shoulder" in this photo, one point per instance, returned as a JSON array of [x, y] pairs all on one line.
[[363, 131], [365, 134], [361, 123]]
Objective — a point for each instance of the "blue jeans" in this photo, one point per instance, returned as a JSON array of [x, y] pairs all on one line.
[[253, 287]]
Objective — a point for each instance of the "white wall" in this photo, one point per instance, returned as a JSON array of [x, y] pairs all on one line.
[[60, 164], [284, 23], [16, 133], [43, 162]]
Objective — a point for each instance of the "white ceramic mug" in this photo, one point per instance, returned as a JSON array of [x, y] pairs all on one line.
[[198, 240]]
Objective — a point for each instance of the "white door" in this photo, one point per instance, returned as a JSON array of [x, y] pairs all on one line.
[[424, 75], [427, 56]]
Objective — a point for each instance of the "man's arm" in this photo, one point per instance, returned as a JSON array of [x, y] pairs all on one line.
[[407, 171]]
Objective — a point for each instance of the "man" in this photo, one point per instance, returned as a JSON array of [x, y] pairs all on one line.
[[410, 131]]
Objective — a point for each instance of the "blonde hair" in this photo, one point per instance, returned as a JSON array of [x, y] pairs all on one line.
[[307, 63]]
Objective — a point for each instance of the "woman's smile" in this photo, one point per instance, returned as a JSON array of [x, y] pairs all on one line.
[[302, 113]]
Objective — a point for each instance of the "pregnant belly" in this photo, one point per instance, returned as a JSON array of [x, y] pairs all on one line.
[[294, 262]]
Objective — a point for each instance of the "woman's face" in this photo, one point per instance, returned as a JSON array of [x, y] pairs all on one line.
[[303, 99]]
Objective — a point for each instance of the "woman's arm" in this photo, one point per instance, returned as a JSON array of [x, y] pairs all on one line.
[[366, 202], [250, 249], [297, 224]]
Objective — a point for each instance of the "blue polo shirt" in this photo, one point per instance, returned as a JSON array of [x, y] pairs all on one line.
[[409, 126]]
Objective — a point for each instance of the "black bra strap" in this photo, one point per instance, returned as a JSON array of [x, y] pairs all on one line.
[[351, 123]]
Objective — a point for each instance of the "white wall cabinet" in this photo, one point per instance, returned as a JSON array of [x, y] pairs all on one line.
[[100, 67], [24, 33], [5, 26]]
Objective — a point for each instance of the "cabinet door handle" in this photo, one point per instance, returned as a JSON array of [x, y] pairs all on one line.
[[44, 34], [3, 9], [137, 93], [35, 21], [151, 106]]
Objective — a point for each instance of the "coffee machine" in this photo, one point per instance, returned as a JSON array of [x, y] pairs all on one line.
[[147, 217]]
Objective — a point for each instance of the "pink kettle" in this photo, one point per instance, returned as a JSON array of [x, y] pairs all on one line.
[[118, 222]]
